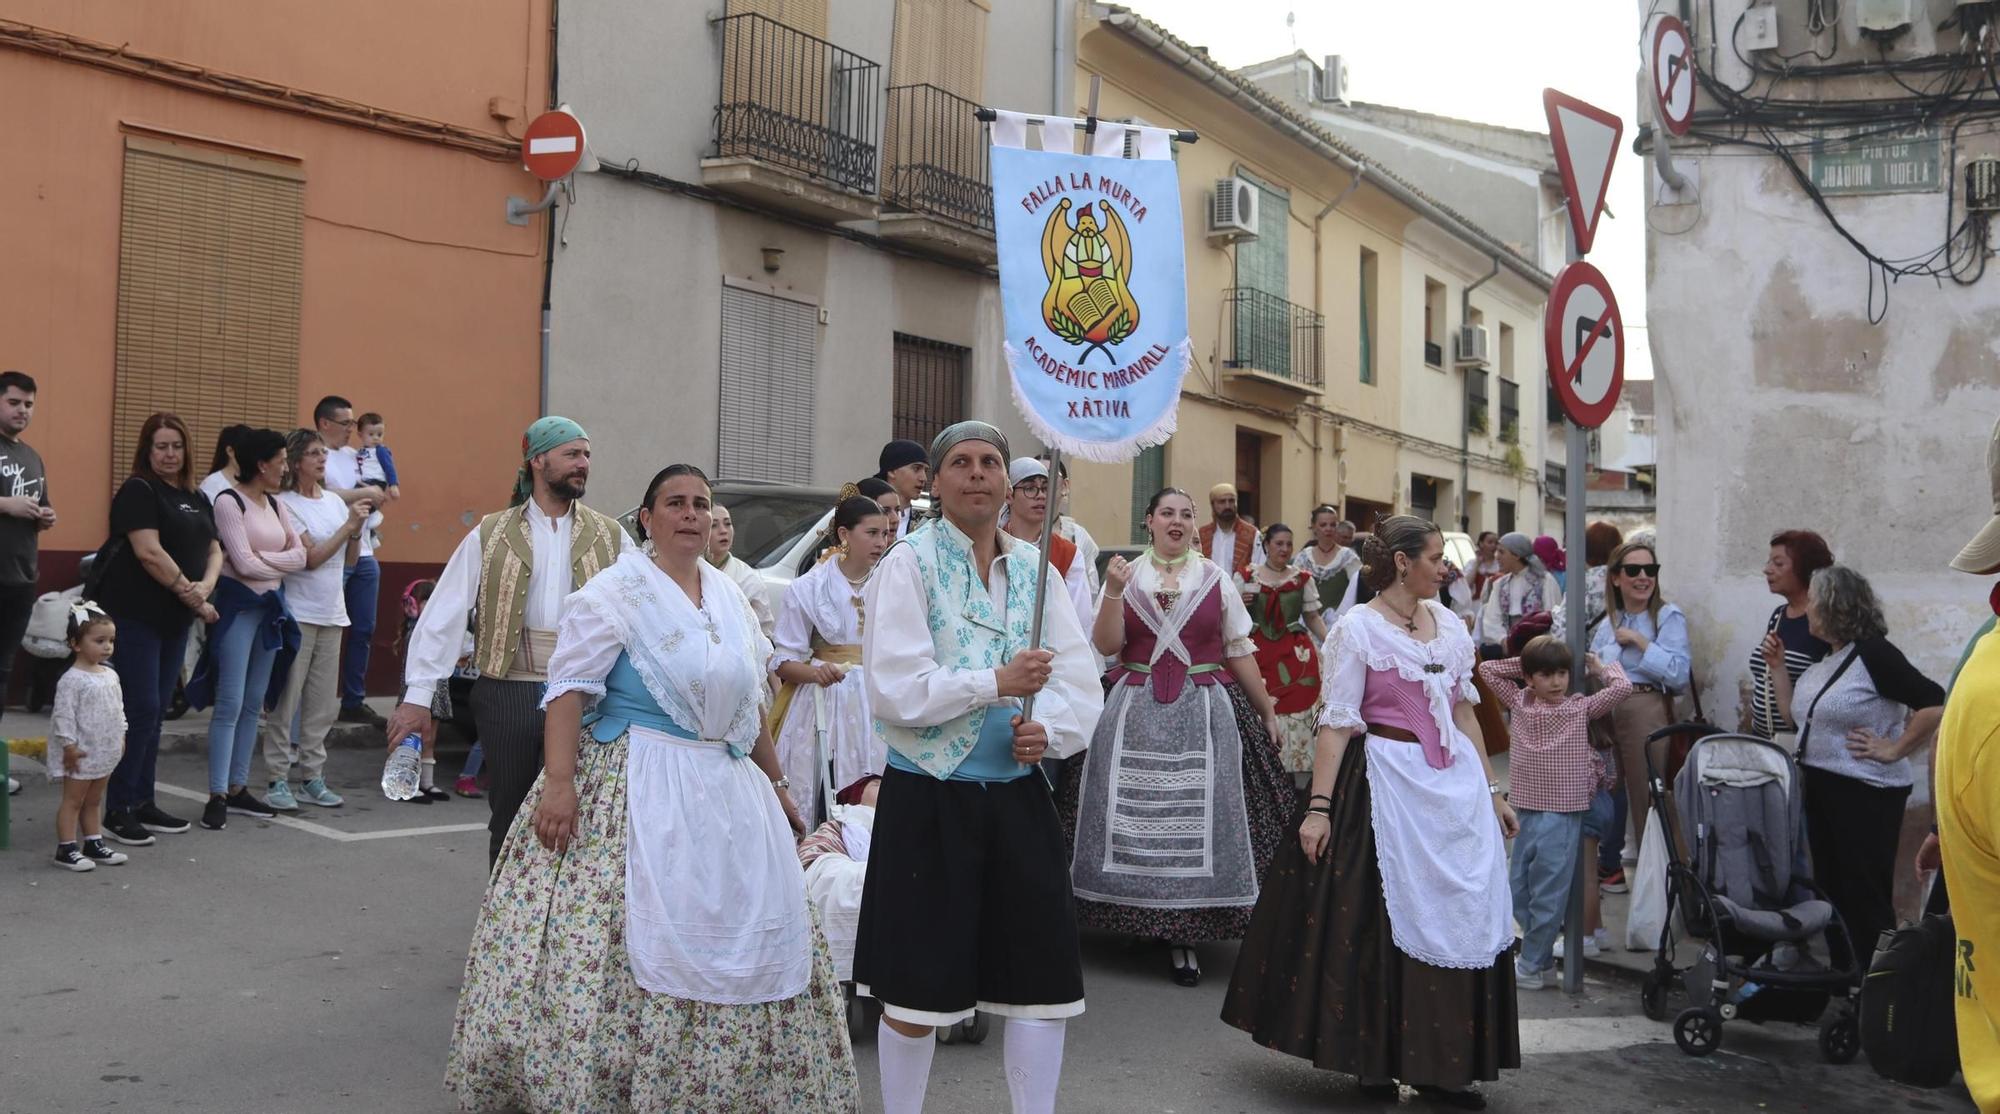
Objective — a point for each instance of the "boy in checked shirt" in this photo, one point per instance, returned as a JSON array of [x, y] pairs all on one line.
[[1555, 774]]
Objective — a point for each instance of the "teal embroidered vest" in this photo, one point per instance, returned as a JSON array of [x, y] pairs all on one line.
[[966, 634]]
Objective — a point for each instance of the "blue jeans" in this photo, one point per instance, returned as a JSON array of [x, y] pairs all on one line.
[[1611, 846], [1602, 816], [1540, 873], [148, 661], [363, 583], [242, 677]]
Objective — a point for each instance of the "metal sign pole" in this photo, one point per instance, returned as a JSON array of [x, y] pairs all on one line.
[[1579, 641]]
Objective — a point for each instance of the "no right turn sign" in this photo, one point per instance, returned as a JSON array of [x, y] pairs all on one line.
[[1585, 343]]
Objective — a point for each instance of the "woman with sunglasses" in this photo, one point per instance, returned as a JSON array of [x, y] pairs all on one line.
[[1648, 638]]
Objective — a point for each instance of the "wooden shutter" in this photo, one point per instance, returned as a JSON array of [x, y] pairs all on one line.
[[210, 270], [770, 345], [1149, 474], [929, 387], [800, 15], [941, 43]]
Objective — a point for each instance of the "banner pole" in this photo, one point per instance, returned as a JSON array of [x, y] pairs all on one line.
[[1042, 567]]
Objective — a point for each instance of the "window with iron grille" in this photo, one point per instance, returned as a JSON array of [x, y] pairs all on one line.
[[1149, 474], [1504, 516], [1510, 411], [770, 346], [930, 387]]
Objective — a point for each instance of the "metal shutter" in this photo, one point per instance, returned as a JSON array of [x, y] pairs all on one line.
[[941, 43], [210, 269], [800, 15], [1263, 325], [1149, 474], [769, 347]]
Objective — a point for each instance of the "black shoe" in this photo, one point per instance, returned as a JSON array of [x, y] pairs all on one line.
[[362, 713], [126, 829], [215, 814], [69, 858], [1467, 1099], [1382, 1092], [243, 804], [434, 793], [156, 819], [97, 852], [422, 798], [1186, 968]]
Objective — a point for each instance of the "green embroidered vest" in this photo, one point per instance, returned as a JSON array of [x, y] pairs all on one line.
[[966, 634], [507, 556]]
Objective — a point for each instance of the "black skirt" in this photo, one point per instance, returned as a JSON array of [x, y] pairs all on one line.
[[967, 902], [1319, 975]]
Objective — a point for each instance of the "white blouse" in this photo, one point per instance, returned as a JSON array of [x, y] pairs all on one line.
[[822, 600]]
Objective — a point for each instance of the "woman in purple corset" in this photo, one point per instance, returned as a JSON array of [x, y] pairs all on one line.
[[1380, 945], [1183, 800]]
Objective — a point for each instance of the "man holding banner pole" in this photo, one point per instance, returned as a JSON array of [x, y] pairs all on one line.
[[967, 906]]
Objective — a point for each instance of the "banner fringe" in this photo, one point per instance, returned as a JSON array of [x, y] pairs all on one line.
[[1102, 452]]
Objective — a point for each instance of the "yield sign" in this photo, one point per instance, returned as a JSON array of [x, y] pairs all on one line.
[[1586, 140], [1673, 75], [1584, 339]]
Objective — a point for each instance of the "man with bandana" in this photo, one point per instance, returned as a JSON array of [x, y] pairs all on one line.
[[509, 577], [1231, 540], [967, 902]]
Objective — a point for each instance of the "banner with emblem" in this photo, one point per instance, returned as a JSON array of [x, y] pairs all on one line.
[[1093, 283]]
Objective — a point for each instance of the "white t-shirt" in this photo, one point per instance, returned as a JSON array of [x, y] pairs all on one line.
[[343, 473], [316, 595], [213, 485]]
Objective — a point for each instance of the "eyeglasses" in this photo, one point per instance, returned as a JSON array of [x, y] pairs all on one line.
[[1032, 487], [1640, 570], [348, 424]]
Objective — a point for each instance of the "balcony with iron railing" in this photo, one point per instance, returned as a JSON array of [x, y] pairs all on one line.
[[796, 120], [1270, 340], [936, 189]]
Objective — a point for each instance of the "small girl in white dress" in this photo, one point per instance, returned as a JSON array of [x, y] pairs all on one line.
[[86, 739]]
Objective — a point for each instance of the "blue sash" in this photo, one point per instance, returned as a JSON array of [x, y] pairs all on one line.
[[626, 704], [991, 758]]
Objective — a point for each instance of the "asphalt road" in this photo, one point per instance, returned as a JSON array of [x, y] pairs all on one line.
[[314, 966]]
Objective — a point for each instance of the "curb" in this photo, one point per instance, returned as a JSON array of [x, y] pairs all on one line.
[[193, 738]]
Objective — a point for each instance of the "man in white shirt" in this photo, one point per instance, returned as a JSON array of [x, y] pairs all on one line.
[[967, 902], [511, 572], [1070, 528], [362, 582], [1231, 540], [1027, 514]]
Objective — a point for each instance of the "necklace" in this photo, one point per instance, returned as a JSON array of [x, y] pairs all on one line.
[[1409, 620]]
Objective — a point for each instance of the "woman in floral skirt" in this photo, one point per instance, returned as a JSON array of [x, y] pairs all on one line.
[[646, 944], [1284, 607]]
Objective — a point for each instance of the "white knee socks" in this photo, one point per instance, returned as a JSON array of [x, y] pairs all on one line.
[[906, 1068], [1034, 1055]]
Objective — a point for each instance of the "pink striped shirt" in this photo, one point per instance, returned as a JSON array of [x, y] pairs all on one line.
[[258, 538]]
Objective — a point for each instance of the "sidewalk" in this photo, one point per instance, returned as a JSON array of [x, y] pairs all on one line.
[[26, 731]]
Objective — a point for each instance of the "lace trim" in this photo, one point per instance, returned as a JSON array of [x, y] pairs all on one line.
[[1392, 894], [572, 684], [1238, 648], [1405, 656], [1338, 716]]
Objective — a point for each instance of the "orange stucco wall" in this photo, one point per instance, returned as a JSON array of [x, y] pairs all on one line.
[[420, 301]]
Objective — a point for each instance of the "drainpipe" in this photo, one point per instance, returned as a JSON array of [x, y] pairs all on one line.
[[549, 219], [1318, 288], [1063, 84], [1465, 409]]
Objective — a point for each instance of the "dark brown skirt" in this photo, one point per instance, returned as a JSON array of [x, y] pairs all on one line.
[[1319, 976]]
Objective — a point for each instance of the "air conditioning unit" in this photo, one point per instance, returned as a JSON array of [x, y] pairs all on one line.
[[1232, 211], [1470, 349], [1332, 81]]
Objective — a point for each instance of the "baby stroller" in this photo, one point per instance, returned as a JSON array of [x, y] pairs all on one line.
[[1732, 874]]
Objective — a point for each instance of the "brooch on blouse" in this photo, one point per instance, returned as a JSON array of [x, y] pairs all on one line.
[[1433, 667]]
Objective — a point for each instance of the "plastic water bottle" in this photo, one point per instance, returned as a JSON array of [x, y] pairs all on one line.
[[400, 776]]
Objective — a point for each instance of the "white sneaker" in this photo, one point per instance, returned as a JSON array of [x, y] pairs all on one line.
[[1533, 980], [1593, 945], [13, 785]]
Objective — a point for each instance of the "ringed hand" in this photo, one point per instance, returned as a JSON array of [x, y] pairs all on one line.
[[1031, 741], [1314, 832]]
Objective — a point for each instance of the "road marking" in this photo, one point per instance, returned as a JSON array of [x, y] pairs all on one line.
[[325, 832]]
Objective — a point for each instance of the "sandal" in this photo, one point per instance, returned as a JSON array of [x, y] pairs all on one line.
[[1187, 968]]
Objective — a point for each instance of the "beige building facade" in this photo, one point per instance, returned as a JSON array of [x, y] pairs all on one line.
[[1309, 382]]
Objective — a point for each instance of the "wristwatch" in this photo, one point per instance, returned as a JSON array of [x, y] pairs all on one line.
[[782, 783], [1493, 787]]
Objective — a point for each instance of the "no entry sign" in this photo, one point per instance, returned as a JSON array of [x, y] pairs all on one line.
[[1585, 342], [1673, 75], [552, 146]]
